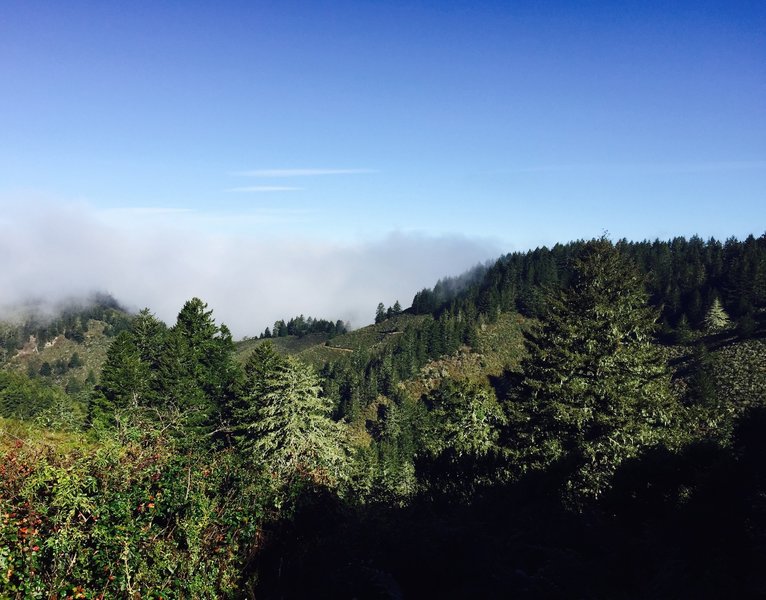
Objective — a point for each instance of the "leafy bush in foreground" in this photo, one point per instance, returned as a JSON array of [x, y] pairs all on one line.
[[116, 519]]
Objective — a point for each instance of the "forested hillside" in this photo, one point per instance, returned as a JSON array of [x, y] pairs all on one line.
[[581, 421]]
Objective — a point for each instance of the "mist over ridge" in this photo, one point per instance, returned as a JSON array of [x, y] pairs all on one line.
[[159, 259]]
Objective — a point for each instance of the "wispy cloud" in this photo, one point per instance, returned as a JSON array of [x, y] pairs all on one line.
[[725, 165], [259, 189], [690, 167], [301, 172]]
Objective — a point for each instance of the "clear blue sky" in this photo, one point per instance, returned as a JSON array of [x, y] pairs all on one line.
[[520, 122]]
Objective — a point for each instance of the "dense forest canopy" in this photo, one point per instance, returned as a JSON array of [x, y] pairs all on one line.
[[580, 421], [683, 278]]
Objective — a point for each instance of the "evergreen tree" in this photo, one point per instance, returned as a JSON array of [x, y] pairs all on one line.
[[185, 375], [746, 325], [380, 313], [60, 367], [259, 367], [280, 329], [130, 376], [124, 380], [596, 388], [75, 361], [340, 327], [286, 423], [463, 418], [702, 387], [716, 318], [25, 398], [148, 334], [198, 374]]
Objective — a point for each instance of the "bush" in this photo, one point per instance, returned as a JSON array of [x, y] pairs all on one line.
[[105, 519]]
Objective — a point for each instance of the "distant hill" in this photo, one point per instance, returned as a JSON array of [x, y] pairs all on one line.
[[318, 349], [56, 353]]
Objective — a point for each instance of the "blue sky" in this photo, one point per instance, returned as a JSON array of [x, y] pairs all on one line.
[[500, 124]]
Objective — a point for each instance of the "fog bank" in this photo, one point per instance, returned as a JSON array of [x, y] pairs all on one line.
[[160, 258]]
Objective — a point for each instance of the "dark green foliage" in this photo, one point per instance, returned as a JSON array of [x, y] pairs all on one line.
[[380, 313], [596, 387], [702, 388], [73, 386], [684, 277], [197, 369], [301, 326], [461, 417], [391, 311], [682, 333], [360, 378], [746, 325], [280, 329], [185, 374], [60, 367], [75, 361], [458, 434], [25, 398], [126, 380], [676, 524]]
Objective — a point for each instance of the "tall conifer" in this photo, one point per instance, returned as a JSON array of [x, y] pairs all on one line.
[[596, 387]]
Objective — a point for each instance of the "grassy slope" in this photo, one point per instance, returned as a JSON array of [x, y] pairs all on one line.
[[317, 349], [92, 353], [286, 345], [499, 350]]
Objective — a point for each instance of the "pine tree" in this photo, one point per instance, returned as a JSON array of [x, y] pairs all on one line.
[[124, 380], [716, 318], [75, 361], [596, 388], [148, 334], [380, 313], [197, 372], [285, 424], [702, 384], [185, 374]]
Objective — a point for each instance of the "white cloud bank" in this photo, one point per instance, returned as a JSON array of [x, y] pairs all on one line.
[[161, 258]]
